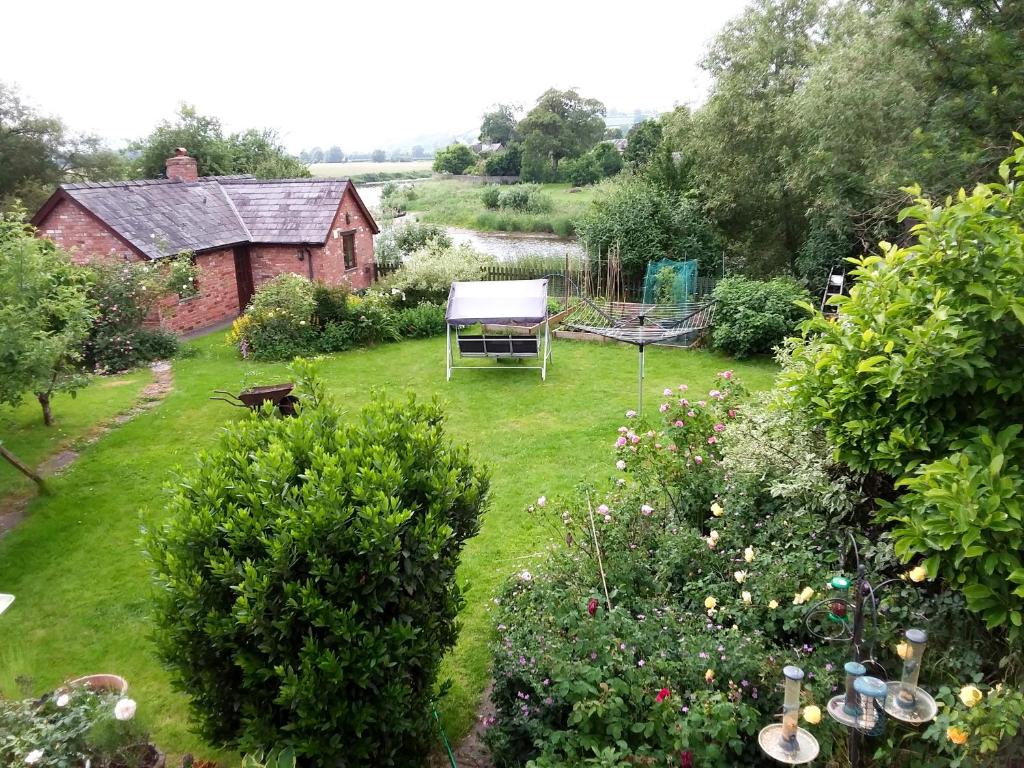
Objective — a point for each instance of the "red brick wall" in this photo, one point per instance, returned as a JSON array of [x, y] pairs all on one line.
[[271, 260], [217, 301], [334, 259], [329, 259], [76, 230]]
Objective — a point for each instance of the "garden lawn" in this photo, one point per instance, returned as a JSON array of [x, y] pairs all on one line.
[[23, 433], [458, 204], [80, 579]]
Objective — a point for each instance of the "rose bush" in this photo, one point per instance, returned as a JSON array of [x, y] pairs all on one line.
[[658, 632]]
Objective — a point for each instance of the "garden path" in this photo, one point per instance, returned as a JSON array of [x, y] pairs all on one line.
[[12, 507]]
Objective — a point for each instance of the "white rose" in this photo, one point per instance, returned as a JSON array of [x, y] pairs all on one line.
[[34, 756], [125, 709], [63, 699]]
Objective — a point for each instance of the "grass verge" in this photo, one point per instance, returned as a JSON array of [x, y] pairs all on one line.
[[82, 584], [458, 204]]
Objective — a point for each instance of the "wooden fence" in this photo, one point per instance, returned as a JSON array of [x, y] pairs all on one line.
[[626, 290]]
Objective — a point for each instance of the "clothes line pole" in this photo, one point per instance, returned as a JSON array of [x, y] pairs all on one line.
[[640, 397]]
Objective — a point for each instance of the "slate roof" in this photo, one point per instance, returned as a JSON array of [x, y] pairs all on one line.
[[161, 217], [288, 211]]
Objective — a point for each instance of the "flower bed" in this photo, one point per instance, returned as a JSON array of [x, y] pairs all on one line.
[[657, 634]]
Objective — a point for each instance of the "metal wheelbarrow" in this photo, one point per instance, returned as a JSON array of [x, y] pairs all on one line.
[[254, 397]]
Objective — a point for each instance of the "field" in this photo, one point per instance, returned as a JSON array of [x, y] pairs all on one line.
[[82, 583], [367, 171], [458, 204]]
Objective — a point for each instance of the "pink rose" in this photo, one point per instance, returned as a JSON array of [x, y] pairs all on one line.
[[698, 460]]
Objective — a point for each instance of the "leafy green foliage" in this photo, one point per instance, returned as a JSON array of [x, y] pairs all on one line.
[[422, 321], [306, 584], [581, 171], [455, 159], [499, 125], [415, 236], [525, 198], [257, 152], [505, 162], [562, 124], [643, 139], [38, 152], [45, 314], [645, 222], [608, 158], [278, 323], [124, 295], [921, 379], [428, 275], [69, 729], [753, 317]]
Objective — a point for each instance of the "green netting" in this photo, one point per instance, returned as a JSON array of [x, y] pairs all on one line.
[[670, 282]]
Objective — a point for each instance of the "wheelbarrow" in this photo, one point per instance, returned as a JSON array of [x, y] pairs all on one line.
[[254, 398]]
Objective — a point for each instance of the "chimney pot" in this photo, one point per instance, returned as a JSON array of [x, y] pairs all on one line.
[[181, 167]]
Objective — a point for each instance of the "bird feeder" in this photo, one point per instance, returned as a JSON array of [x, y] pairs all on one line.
[[787, 742], [906, 701], [838, 609], [846, 708], [872, 692]]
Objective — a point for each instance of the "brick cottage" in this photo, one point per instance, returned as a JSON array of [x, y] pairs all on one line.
[[243, 231]]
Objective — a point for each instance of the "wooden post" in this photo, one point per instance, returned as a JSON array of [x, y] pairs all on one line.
[[22, 467]]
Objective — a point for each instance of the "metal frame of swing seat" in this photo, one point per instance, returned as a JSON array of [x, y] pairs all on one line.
[[507, 347]]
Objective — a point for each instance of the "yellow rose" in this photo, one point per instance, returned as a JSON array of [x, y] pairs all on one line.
[[805, 594], [710, 603], [970, 695], [812, 714], [709, 676], [917, 574], [747, 599], [773, 604], [716, 509], [903, 651], [740, 576], [748, 554], [956, 735]]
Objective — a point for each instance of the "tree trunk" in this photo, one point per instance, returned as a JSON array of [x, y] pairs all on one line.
[[22, 467], [44, 400]]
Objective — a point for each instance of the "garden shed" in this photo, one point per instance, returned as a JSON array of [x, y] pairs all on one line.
[[510, 304]]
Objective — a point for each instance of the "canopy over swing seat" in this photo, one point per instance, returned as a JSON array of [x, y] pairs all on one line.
[[499, 302]]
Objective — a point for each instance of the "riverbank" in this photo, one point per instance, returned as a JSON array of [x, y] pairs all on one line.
[[458, 204]]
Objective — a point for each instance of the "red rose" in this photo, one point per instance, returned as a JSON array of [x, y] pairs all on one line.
[[592, 606], [663, 694], [686, 759]]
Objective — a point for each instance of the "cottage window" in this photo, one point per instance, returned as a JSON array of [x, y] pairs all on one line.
[[348, 245]]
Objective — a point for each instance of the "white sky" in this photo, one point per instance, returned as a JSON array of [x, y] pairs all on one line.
[[356, 74]]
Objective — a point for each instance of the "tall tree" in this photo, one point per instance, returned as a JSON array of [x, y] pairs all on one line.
[[334, 155], [499, 125], [743, 140], [255, 151], [378, 156], [38, 152], [973, 53], [562, 124]]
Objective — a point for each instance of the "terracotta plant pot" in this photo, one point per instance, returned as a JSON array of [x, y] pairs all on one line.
[[100, 684]]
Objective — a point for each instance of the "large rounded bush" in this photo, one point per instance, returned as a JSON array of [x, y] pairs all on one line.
[[306, 579], [754, 316]]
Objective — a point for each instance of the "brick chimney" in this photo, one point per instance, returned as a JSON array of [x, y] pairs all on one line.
[[181, 167]]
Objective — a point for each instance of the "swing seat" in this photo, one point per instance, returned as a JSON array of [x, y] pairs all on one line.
[[498, 346]]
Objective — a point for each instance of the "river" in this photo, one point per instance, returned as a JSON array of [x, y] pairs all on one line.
[[504, 246]]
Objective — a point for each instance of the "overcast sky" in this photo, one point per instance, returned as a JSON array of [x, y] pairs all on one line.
[[356, 74]]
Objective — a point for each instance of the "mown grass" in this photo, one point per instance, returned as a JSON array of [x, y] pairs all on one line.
[[370, 171], [458, 204], [22, 432], [82, 583]]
